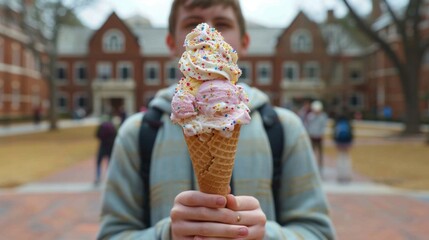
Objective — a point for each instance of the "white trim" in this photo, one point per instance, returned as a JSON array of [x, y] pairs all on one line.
[[248, 66], [125, 64], [269, 67], [19, 70], [107, 41], [294, 66], [156, 66]]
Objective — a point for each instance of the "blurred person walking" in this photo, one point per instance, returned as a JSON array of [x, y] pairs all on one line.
[[106, 134], [343, 138], [316, 125]]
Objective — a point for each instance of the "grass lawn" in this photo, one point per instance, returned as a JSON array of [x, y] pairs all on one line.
[[398, 164], [33, 156]]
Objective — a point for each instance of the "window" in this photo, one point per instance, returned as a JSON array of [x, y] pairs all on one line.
[[290, 71], [355, 75], [61, 72], [104, 71], [246, 72], [62, 102], [16, 95], [80, 101], [356, 100], [264, 73], [35, 99], [152, 73], [1, 94], [125, 70], [16, 54], [172, 73], [311, 71], [113, 41], [1, 50], [301, 41], [80, 74]]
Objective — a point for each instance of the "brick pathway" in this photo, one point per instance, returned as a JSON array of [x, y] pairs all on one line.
[[73, 214]]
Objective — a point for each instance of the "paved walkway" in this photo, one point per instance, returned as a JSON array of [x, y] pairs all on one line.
[[66, 205]]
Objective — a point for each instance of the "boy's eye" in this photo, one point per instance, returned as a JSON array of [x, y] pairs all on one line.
[[222, 26]]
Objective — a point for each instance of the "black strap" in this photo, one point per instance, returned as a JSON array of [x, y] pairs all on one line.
[[274, 130], [150, 124]]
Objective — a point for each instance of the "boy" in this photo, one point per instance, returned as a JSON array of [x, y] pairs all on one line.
[[178, 212]]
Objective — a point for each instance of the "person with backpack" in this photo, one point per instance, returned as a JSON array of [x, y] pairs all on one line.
[[343, 138], [151, 191], [105, 133], [316, 125]]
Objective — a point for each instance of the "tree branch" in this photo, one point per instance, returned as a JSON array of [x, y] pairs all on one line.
[[375, 37]]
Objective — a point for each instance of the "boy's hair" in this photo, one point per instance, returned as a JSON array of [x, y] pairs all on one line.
[[191, 4]]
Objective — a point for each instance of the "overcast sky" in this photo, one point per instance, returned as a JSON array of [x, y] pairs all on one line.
[[270, 13]]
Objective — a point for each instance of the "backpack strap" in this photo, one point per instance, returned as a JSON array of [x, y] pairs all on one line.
[[274, 129], [150, 124]]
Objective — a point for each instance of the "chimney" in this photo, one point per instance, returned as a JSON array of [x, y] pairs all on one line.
[[330, 18]]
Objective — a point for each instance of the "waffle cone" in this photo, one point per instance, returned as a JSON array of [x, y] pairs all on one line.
[[212, 158]]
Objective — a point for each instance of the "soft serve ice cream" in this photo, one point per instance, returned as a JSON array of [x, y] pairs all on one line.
[[207, 98]]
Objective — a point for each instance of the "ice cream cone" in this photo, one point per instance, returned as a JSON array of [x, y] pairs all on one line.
[[212, 156]]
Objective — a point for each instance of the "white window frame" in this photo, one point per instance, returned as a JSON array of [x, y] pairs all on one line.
[[16, 54], [168, 79], [259, 66], [316, 67], [76, 97], [63, 65], [59, 108], [101, 66], [124, 64], [108, 46], [76, 73], [15, 100], [297, 44], [248, 66], [156, 66], [292, 65]]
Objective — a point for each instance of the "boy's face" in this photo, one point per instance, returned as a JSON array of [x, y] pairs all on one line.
[[217, 16]]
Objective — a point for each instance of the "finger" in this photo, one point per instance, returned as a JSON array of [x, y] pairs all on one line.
[[199, 199], [206, 230], [220, 215], [241, 203]]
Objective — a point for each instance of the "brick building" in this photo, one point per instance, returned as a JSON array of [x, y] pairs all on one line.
[[22, 88], [123, 63]]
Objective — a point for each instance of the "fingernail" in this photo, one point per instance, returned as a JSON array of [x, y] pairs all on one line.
[[221, 201], [242, 232]]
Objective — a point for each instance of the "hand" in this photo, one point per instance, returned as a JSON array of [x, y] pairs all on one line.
[[249, 213], [197, 215]]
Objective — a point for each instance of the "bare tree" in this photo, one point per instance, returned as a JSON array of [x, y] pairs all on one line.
[[408, 59], [41, 22]]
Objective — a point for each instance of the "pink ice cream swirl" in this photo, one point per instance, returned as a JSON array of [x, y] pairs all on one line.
[[207, 98]]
